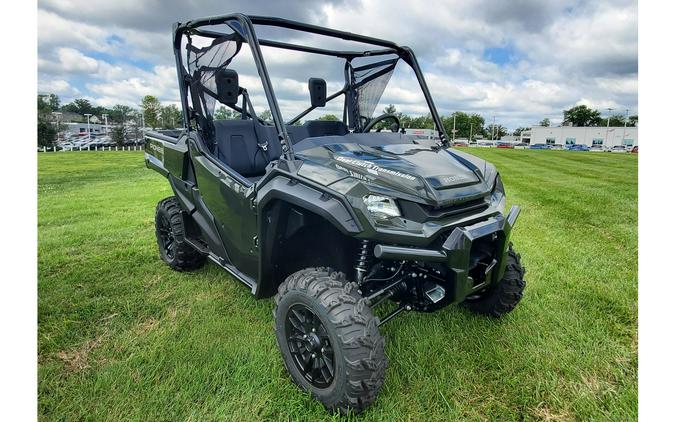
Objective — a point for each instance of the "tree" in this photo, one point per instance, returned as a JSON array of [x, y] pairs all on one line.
[[546, 122], [466, 125], [118, 134], [120, 112], [633, 120], [614, 121], [151, 108], [331, 117], [582, 115], [520, 130], [266, 116], [226, 113], [170, 117], [46, 132], [498, 129]]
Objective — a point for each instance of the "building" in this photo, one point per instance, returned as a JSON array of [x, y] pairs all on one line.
[[590, 136], [74, 129]]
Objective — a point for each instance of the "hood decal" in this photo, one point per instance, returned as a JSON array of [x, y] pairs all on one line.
[[373, 168]]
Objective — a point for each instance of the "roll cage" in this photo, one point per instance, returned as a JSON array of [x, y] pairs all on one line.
[[243, 27]]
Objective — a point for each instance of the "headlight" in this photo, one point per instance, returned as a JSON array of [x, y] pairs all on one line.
[[381, 207]]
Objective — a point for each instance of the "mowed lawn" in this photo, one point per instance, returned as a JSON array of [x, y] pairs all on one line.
[[122, 337]]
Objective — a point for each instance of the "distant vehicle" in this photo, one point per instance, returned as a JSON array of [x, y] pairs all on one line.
[[485, 144], [460, 144], [521, 145], [634, 150], [504, 145], [596, 148], [618, 149], [540, 146], [558, 147], [580, 147]]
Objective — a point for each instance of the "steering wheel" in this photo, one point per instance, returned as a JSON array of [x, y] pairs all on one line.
[[394, 127]]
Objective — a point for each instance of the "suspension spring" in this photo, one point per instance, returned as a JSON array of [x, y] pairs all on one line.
[[363, 259]]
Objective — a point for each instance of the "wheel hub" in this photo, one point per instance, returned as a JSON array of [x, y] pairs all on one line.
[[310, 346]]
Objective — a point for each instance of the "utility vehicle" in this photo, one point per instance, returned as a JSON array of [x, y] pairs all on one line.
[[331, 217]]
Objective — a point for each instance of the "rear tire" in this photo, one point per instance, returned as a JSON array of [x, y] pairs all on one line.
[[170, 232], [503, 297], [329, 340]]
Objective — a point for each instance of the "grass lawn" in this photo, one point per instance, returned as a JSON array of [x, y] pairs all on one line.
[[121, 336]]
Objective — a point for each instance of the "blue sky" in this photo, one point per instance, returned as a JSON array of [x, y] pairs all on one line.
[[519, 61]]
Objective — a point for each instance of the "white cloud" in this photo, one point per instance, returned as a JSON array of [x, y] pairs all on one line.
[[561, 52]]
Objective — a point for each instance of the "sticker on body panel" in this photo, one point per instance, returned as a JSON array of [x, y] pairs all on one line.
[[374, 168]]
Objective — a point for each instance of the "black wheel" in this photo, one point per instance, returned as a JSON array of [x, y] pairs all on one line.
[[505, 295], [329, 340], [170, 233]]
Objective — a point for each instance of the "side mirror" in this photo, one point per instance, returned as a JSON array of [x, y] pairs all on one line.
[[227, 86], [317, 92]]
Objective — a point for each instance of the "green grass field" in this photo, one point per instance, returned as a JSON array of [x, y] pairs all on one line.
[[122, 337]]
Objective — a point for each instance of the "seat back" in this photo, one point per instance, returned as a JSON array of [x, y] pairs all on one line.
[[326, 128], [314, 128], [238, 146]]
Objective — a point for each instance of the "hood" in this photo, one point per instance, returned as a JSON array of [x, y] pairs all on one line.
[[437, 176]]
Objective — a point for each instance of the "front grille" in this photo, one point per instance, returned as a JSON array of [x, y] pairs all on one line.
[[423, 213]]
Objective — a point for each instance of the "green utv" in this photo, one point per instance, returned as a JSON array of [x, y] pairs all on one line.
[[331, 217]]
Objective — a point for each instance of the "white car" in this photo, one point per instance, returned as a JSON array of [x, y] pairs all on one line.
[[618, 148], [597, 148]]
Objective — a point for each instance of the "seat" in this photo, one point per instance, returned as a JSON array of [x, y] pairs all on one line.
[[325, 128], [314, 128], [238, 146]]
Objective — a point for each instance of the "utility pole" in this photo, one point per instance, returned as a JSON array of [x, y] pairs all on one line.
[[470, 132], [105, 116], [609, 111], [492, 132], [56, 115], [88, 129], [625, 122], [454, 119]]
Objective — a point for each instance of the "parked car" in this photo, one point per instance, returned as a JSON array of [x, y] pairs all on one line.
[[580, 147], [558, 147], [597, 148], [504, 145], [634, 150], [618, 149], [485, 144], [540, 146], [521, 145], [331, 222], [460, 144]]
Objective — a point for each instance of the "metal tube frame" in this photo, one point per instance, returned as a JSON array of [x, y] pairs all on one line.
[[244, 26]]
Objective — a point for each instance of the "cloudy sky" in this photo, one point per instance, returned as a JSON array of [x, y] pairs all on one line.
[[518, 60]]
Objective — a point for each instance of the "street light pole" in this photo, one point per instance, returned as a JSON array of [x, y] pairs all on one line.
[[609, 111], [492, 132], [454, 118], [625, 121], [88, 129], [105, 116], [470, 132]]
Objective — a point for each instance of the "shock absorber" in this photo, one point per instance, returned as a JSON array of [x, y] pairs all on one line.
[[362, 260]]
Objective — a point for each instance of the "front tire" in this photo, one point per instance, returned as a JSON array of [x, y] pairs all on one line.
[[329, 340], [503, 297], [170, 232]]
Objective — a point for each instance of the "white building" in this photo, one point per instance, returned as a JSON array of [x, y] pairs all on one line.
[[568, 135]]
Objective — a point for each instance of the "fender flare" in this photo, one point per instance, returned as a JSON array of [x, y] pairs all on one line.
[[327, 206]]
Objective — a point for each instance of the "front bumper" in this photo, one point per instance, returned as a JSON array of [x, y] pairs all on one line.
[[456, 252]]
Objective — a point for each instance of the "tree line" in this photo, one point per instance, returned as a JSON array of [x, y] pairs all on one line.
[[125, 120], [151, 113]]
